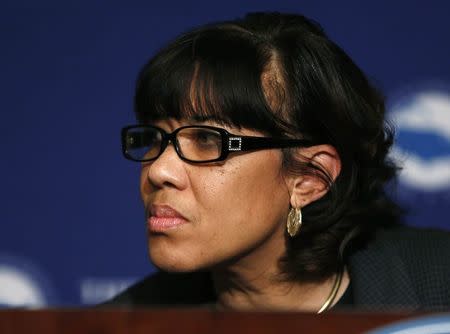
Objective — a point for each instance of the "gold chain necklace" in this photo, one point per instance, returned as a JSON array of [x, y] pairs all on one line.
[[337, 284]]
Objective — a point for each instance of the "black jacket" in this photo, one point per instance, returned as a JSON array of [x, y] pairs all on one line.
[[401, 268]]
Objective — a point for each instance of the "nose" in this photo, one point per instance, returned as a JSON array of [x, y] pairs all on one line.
[[168, 170]]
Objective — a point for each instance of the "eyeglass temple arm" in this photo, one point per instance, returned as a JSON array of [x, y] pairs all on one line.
[[254, 143]]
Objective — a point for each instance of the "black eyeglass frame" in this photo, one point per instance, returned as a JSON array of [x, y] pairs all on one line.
[[230, 142]]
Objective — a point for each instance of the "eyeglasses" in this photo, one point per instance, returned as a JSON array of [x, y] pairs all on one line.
[[195, 143]]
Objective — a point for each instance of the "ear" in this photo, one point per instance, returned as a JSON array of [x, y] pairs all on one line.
[[307, 188]]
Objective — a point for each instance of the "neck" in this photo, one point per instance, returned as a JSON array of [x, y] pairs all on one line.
[[254, 282], [257, 285]]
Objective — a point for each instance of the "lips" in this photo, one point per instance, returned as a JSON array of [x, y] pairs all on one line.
[[163, 218]]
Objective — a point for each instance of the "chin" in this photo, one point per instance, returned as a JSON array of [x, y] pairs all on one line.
[[173, 263]]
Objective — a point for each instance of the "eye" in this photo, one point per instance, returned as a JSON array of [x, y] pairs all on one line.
[[206, 138], [200, 143]]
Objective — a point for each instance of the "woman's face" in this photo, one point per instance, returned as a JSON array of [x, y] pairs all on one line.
[[207, 215]]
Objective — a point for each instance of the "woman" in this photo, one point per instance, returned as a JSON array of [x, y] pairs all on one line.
[[264, 159]]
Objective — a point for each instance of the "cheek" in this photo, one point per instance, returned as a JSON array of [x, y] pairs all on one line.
[[244, 186], [245, 199]]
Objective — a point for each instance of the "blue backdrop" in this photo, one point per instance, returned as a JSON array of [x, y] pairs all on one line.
[[72, 228]]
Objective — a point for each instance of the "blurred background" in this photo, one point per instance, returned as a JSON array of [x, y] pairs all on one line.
[[72, 228]]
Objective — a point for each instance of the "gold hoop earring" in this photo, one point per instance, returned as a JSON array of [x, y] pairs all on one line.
[[294, 221]]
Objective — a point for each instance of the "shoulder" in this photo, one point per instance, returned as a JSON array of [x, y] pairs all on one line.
[[404, 266], [413, 244], [417, 247], [425, 253], [164, 288]]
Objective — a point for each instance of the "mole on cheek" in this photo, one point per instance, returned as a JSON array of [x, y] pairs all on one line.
[[220, 171]]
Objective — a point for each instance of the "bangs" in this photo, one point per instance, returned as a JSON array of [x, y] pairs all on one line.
[[214, 74]]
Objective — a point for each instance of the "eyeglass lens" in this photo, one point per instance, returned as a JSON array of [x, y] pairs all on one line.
[[196, 144], [199, 144]]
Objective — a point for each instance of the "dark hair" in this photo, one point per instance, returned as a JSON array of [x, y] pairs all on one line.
[[281, 75]]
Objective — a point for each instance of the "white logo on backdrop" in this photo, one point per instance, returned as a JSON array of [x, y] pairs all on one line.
[[98, 290], [17, 288], [424, 113]]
